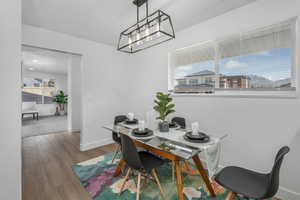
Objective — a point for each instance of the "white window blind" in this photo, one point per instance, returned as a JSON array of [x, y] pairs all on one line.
[[272, 37], [195, 54]]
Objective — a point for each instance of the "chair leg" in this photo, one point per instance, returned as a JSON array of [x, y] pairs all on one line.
[[138, 186], [116, 152], [230, 196], [125, 180], [158, 183]]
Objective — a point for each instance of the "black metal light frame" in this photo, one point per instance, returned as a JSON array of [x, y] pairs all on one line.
[[158, 17]]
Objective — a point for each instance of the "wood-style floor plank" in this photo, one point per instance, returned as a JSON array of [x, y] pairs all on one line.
[[47, 161]]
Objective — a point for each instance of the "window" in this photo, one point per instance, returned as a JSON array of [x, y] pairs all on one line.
[[195, 71], [193, 82], [38, 90], [260, 60]]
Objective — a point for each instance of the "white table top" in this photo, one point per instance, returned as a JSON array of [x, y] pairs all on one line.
[[174, 135]]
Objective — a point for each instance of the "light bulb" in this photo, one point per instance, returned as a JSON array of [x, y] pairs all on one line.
[[157, 29], [147, 34], [138, 37], [130, 41]]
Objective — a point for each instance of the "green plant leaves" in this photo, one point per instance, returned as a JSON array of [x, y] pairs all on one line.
[[163, 106], [61, 98]]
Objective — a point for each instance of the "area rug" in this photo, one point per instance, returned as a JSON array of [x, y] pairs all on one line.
[[96, 177]]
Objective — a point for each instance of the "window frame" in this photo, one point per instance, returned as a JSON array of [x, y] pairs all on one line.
[[242, 92], [42, 87]]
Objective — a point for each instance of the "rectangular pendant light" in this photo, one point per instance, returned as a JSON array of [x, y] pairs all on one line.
[[153, 30]]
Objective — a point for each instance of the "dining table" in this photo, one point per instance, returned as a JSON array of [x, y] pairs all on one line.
[[172, 146]]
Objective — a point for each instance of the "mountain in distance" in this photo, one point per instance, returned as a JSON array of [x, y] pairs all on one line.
[[259, 81], [282, 83], [262, 82]]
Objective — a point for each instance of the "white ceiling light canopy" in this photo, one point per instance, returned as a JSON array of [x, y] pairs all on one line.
[[150, 31]]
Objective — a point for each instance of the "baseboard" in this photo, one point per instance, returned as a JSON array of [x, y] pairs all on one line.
[[286, 194], [92, 145], [74, 130], [283, 193]]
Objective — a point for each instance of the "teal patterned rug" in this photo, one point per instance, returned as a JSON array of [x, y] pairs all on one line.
[[96, 177]]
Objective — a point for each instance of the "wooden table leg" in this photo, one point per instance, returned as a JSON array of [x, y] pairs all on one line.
[[119, 168], [179, 180], [203, 174]]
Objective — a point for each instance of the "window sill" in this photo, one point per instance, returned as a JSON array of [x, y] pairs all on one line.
[[243, 94]]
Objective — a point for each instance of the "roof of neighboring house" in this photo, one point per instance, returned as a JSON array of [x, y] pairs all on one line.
[[235, 76], [208, 72], [201, 73], [195, 86]]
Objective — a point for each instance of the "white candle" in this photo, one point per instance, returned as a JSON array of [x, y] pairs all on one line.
[[141, 125], [130, 116], [195, 128]]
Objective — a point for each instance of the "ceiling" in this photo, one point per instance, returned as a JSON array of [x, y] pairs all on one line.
[[46, 61], [102, 21]]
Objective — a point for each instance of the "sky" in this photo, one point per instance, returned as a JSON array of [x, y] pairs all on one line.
[[273, 65]]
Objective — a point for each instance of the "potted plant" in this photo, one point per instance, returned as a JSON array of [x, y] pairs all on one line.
[[61, 99], [164, 108]]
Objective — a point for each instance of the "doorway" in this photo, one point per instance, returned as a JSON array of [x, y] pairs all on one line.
[[51, 91]]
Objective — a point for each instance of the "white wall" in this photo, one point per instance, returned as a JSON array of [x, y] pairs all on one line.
[[75, 103], [257, 127], [101, 78], [10, 101]]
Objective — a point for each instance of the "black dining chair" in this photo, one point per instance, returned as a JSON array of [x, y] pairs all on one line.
[[180, 121], [144, 163], [251, 184], [116, 137]]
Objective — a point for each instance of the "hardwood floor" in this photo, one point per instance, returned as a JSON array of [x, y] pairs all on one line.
[[47, 161]]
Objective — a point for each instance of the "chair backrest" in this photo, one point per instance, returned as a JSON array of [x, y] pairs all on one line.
[[180, 121], [274, 174], [118, 119], [130, 153]]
